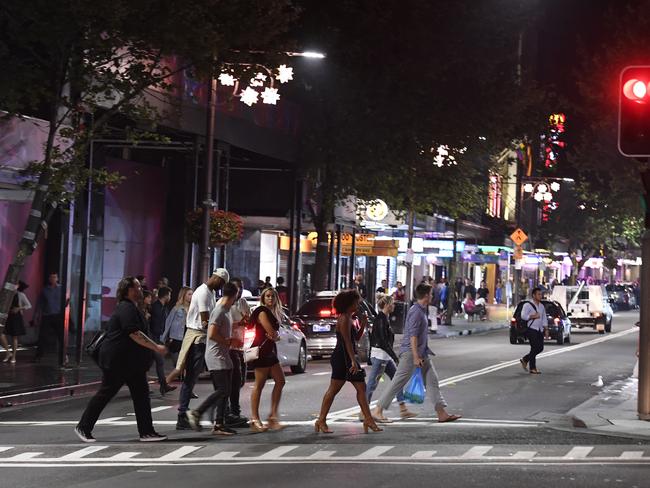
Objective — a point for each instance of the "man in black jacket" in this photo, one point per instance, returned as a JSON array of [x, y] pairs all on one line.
[[159, 312]]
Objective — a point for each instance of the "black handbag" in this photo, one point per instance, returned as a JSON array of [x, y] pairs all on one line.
[[93, 347]]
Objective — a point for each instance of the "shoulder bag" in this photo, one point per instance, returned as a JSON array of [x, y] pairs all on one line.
[[253, 353]]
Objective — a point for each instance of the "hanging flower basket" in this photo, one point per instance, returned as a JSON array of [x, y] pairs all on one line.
[[225, 227]]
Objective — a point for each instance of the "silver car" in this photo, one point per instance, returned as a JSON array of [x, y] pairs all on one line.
[[292, 346]]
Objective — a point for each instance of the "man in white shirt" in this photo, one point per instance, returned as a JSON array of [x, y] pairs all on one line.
[[192, 353], [535, 316], [241, 313]]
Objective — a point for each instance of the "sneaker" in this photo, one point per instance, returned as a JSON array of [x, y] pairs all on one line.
[[153, 437], [166, 389], [222, 430], [182, 423], [193, 396], [83, 435], [194, 419], [236, 421]]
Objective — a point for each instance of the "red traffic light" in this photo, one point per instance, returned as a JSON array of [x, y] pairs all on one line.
[[636, 90], [634, 112]]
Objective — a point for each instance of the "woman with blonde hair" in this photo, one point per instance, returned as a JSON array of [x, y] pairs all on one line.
[[175, 330], [266, 319]]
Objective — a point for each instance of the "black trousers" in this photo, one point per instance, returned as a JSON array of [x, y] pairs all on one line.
[[159, 359], [194, 366], [536, 339], [222, 382], [50, 325], [112, 381], [238, 380]]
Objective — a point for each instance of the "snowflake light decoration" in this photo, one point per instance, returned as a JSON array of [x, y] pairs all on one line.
[[529, 187], [539, 196], [270, 96], [249, 96], [555, 186], [285, 73], [226, 79]]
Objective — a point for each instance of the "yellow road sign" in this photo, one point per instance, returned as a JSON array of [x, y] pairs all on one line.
[[519, 237]]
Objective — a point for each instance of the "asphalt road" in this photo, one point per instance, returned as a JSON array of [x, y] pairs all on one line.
[[513, 431]]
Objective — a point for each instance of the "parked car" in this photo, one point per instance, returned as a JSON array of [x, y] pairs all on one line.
[[559, 324], [586, 305], [621, 297], [292, 346], [317, 319]]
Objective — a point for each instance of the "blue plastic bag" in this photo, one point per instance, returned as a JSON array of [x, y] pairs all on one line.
[[415, 391]]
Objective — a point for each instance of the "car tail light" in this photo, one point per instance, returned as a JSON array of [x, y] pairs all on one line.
[[295, 325], [249, 335], [556, 320], [326, 312]]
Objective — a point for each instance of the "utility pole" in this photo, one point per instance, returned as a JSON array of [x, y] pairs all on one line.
[[409, 255], [644, 332], [207, 201]]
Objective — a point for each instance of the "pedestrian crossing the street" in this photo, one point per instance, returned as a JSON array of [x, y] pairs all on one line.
[[223, 453]]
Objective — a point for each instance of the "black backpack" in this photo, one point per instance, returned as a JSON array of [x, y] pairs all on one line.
[[521, 324]]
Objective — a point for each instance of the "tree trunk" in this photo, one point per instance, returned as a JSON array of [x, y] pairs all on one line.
[[451, 279], [319, 280]]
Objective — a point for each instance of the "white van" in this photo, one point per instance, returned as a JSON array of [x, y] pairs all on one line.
[[586, 305]]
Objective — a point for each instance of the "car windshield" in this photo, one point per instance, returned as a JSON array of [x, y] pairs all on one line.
[[314, 307]]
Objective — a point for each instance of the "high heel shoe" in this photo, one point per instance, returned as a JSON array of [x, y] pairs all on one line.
[[8, 357], [321, 426], [370, 424], [273, 424], [257, 426]]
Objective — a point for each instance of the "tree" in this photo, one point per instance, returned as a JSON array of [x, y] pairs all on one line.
[[405, 79], [71, 59]]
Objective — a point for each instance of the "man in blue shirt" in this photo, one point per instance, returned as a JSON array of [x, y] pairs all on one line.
[[415, 352], [535, 315], [49, 314]]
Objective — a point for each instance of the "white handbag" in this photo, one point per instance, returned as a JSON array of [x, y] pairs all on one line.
[[252, 353]]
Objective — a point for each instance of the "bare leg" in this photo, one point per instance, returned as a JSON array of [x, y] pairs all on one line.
[[328, 399], [261, 374], [278, 377], [173, 374], [5, 344], [15, 346], [361, 399]]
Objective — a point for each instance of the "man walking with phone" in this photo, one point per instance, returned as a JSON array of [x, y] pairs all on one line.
[[415, 353], [535, 315]]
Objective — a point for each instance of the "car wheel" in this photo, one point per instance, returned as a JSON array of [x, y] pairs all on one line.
[[302, 360], [513, 336], [608, 326], [560, 336]]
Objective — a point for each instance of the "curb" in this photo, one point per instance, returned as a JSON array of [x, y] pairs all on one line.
[[48, 394]]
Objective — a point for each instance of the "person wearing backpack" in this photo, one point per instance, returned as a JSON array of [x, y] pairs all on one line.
[[535, 316]]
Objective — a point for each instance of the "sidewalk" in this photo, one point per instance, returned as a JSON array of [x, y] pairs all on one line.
[[27, 382], [612, 412], [461, 326]]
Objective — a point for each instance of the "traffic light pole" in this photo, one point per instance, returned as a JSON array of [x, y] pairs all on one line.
[[644, 332]]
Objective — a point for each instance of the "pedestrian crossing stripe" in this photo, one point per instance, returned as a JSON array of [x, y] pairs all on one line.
[[106, 455]]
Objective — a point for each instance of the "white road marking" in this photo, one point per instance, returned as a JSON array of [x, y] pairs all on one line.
[[524, 455], [153, 410], [322, 454], [423, 454], [25, 456], [225, 455], [631, 454], [278, 452], [579, 452], [179, 453], [74, 456], [5, 448], [124, 456], [322, 373], [502, 365], [476, 452], [374, 452]]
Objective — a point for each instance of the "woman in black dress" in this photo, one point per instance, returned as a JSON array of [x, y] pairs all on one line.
[[345, 366], [267, 318], [15, 326]]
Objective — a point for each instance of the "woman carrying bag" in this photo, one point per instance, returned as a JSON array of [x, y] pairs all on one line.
[[345, 366], [125, 355]]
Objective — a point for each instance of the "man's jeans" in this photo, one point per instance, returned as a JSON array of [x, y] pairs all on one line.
[[194, 366], [403, 375], [379, 366]]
